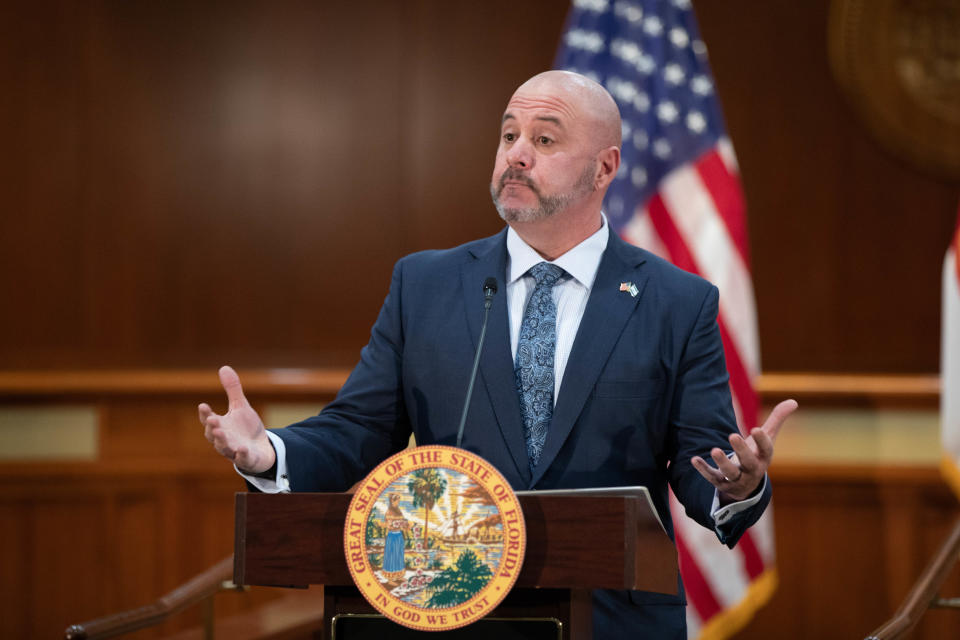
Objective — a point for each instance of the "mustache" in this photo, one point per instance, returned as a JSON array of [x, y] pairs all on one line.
[[515, 175]]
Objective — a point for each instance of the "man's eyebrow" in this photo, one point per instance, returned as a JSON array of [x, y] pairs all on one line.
[[554, 120]]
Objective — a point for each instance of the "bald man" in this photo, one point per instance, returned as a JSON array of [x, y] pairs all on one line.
[[603, 365]]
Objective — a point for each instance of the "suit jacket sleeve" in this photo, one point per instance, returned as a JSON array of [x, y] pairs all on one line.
[[367, 421], [701, 418]]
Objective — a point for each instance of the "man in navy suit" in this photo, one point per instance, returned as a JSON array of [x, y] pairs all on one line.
[[635, 390]]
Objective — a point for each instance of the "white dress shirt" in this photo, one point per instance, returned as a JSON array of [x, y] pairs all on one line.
[[570, 295]]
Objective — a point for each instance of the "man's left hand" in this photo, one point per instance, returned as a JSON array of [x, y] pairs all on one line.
[[738, 476]]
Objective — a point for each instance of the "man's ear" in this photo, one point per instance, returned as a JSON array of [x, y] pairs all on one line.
[[608, 162]]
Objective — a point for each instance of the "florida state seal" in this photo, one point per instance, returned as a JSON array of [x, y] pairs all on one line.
[[434, 538]]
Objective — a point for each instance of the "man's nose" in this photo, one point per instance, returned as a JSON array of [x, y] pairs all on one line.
[[520, 155]]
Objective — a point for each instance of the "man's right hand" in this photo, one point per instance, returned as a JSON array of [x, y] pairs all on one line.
[[238, 435]]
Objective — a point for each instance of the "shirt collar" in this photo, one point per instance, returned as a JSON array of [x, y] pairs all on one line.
[[581, 262]]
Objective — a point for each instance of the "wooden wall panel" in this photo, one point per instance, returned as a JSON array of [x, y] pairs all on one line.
[[215, 147], [463, 66], [85, 539], [136, 525], [40, 46], [850, 543], [847, 240], [68, 540], [171, 424], [195, 183], [14, 584]]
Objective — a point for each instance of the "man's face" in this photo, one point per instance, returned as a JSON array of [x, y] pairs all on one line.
[[543, 162]]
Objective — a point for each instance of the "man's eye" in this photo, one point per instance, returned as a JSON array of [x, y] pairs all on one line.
[[544, 140], [509, 137]]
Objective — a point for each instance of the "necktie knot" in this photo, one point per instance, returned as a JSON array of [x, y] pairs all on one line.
[[546, 274]]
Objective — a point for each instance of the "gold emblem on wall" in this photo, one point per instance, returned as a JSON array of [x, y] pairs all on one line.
[[898, 62]]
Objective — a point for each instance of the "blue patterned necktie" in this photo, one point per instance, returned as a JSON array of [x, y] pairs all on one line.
[[535, 352]]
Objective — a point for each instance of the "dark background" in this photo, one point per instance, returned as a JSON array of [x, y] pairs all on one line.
[[192, 183]]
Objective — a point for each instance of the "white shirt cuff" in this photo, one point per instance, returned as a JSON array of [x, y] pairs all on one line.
[[722, 515], [279, 484]]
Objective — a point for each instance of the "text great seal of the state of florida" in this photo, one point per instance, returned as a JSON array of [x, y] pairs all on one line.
[[434, 538]]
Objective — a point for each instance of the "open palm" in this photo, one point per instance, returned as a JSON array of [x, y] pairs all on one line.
[[239, 434]]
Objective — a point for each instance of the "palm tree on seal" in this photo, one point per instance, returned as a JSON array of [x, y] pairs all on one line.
[[427, 486]]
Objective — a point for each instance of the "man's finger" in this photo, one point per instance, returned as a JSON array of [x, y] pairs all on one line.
[[712, 476], [745, 453], [777, 417], [764, 443], [231, 384], [728, 468], [205, 412], [220, 440], [212, 422]]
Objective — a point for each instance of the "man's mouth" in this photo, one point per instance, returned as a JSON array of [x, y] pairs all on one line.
[[509, 179]]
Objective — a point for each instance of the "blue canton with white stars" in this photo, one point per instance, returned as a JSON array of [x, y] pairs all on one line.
[[649, 56]]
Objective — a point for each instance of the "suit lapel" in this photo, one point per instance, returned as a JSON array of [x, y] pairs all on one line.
[[604, 318], [496, 363]]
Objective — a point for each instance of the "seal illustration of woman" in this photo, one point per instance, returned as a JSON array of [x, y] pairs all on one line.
[[395, 524]]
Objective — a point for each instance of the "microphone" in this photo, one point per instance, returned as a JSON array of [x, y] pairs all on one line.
[[489, 290]]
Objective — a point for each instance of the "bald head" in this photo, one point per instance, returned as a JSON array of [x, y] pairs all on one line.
[[559, 151], [581, 97]]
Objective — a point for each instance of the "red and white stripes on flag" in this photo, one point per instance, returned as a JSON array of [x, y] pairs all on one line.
[[697, 220], [950, 363], [677, 193]]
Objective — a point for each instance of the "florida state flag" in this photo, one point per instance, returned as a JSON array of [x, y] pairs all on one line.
[[950, 363]]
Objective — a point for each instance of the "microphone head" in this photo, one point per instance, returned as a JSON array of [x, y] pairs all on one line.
[[489, 286]]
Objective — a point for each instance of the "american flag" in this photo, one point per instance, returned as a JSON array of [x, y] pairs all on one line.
[[678, 195]]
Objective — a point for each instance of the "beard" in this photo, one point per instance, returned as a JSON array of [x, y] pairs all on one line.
[[546, 205]]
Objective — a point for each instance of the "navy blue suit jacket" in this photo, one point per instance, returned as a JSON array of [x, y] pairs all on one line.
[[645, 389]]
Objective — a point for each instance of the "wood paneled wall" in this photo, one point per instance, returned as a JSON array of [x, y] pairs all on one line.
[[848, 241], [79, 541], [850, 543], [82, 540], [199, 182], [189, 183]]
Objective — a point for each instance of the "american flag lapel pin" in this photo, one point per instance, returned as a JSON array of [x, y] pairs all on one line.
[[630, 288]]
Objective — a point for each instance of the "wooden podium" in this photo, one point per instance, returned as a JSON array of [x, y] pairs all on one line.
[[576, 541]]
